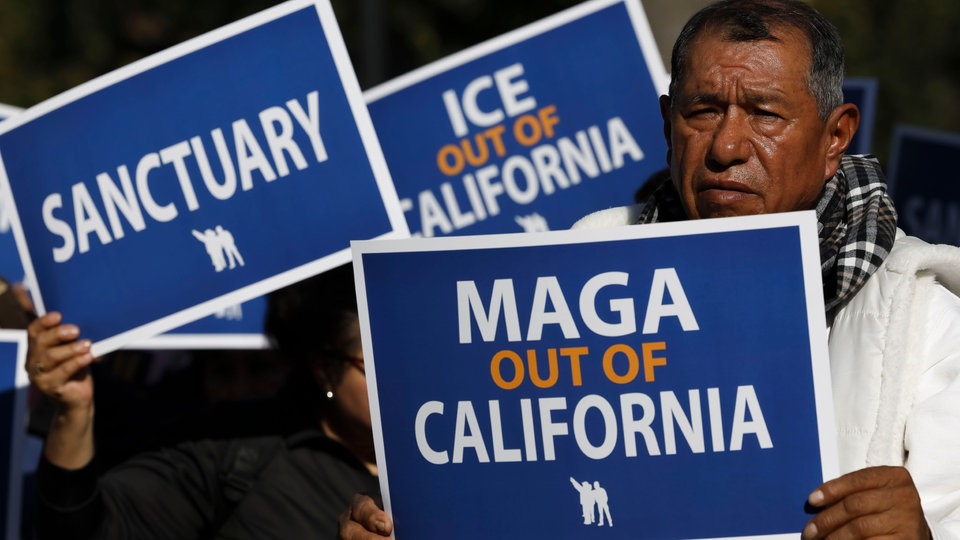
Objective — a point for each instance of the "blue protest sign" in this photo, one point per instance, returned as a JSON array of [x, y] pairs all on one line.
[[529, 131], [233, 327], [238, 326], [921, 179], [10, 267], [662, 381], [862, 92], [13, 410], [209, 174]]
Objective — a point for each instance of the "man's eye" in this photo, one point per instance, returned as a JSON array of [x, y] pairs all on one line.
[[766, 113], [699, 112]]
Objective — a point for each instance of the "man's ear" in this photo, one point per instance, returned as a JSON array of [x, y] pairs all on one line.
[[841, 125], [667, 129]]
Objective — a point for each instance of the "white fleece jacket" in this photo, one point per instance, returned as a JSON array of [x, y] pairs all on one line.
[[895, 370]]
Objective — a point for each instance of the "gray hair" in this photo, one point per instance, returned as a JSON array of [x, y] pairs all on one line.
[[752, 20]]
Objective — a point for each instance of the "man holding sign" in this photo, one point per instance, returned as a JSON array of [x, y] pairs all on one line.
[[755, 124]]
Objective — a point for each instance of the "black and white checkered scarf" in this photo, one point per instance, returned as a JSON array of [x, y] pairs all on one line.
[[856, 221]]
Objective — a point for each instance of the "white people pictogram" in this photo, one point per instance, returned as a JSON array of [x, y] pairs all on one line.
[[593, 503], [231, 313], [221, 247], [532, 222]]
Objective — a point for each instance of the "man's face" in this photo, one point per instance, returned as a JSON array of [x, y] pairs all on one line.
[[743, 132]]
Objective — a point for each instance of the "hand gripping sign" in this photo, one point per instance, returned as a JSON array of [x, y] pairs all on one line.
[[531, 130], [656, 381], [211, 173]]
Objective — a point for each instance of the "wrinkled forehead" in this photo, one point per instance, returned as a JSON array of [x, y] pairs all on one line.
[[784, 48], [794, 40]]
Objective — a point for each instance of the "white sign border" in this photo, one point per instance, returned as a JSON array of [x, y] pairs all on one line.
[[362, 119], [8, 111], [184, 341], [804, 221]]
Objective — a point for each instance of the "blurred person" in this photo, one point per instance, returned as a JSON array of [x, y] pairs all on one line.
[[153, 399], [274, 486], [755, 123]]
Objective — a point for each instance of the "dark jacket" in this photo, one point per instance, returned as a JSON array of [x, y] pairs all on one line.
[[268, 487]]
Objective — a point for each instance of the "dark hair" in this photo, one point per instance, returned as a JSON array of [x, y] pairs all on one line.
[[752, 20], [308, 320]]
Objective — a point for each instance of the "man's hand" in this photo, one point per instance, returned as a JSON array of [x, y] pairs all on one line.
[[58, 365], [57, 362], [876, 501], [364, 520]]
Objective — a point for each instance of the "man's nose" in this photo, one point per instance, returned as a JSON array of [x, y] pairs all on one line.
[[730, 140]]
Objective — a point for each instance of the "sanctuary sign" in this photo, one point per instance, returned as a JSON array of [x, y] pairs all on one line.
[[196, 179]]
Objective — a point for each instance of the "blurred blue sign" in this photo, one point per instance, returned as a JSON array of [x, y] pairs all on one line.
[[922, 178], [10, 267], [13, 430], [239, 326], [624, 382], [199, 178], [529, 131], [862, 92]]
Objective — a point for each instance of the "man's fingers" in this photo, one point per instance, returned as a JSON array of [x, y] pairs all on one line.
[[871, 502], [68, 368], [853, 514], [53, 382], [57, 360], [351, 530], [51, 343], [57, 335], [47, 332], [869, 526], [366, 512], [364, 520], [55, 356], [858, 481], [42, 324], [53, 372]]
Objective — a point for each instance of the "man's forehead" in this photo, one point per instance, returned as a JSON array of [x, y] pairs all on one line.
[[786, 55], [792, 40], [766, 95]]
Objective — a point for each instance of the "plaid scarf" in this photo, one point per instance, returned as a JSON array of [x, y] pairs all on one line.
[[856, 220]]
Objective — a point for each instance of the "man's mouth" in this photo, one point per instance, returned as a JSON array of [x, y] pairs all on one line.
[[719, 193], [724, 185]]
